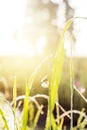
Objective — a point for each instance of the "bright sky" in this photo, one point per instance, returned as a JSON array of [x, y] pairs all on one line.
[[12, 16], [80, 27]]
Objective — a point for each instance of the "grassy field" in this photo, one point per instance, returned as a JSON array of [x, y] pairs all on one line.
[[49, 93], [24, 72]]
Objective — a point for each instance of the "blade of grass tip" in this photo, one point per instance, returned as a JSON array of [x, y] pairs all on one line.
[[4, 119], [25, 108], [15, 93], [36, 70], [57, 70]]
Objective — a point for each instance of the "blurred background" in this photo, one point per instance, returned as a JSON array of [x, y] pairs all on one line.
[[29, 32]]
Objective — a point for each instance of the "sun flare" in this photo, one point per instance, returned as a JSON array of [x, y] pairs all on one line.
[[13, 16]]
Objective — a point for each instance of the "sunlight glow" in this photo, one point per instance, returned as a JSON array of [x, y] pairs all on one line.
[[41, 42], [13, 18], [61, 15], [11, 15], [16, 49], [80, 29]]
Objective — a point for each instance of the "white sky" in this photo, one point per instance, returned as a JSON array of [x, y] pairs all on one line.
[[12, 16], [80, 27]]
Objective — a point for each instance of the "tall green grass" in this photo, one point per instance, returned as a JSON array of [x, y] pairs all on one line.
[[57, 70], [51, 122], [56, 75]]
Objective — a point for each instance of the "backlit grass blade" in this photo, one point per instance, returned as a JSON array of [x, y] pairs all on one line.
[[57, 68], [26, 101], [56, 75], [14, 93], [28, 88], [4, 119], [25, 108], [58, 63]]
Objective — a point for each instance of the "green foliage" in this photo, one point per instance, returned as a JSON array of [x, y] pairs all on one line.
[[29, 108]]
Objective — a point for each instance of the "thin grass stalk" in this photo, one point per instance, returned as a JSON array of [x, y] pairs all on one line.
[[4, 119], [71, 84], [14, 100], [82, 96], [14, 93], [28, 88], [37, 117], [75, 112], [72, 77], [80, 118], [57, 110]]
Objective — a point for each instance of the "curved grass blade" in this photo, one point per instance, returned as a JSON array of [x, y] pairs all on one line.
[[4, 119], [57, 69], [56, 75], [26, 99]]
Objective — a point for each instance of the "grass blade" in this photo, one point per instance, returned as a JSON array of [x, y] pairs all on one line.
[[25, 108], [53, 125], [4, 119], [71, 86], [14, 93], [57, 70], [56, 75], [37, 117]]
